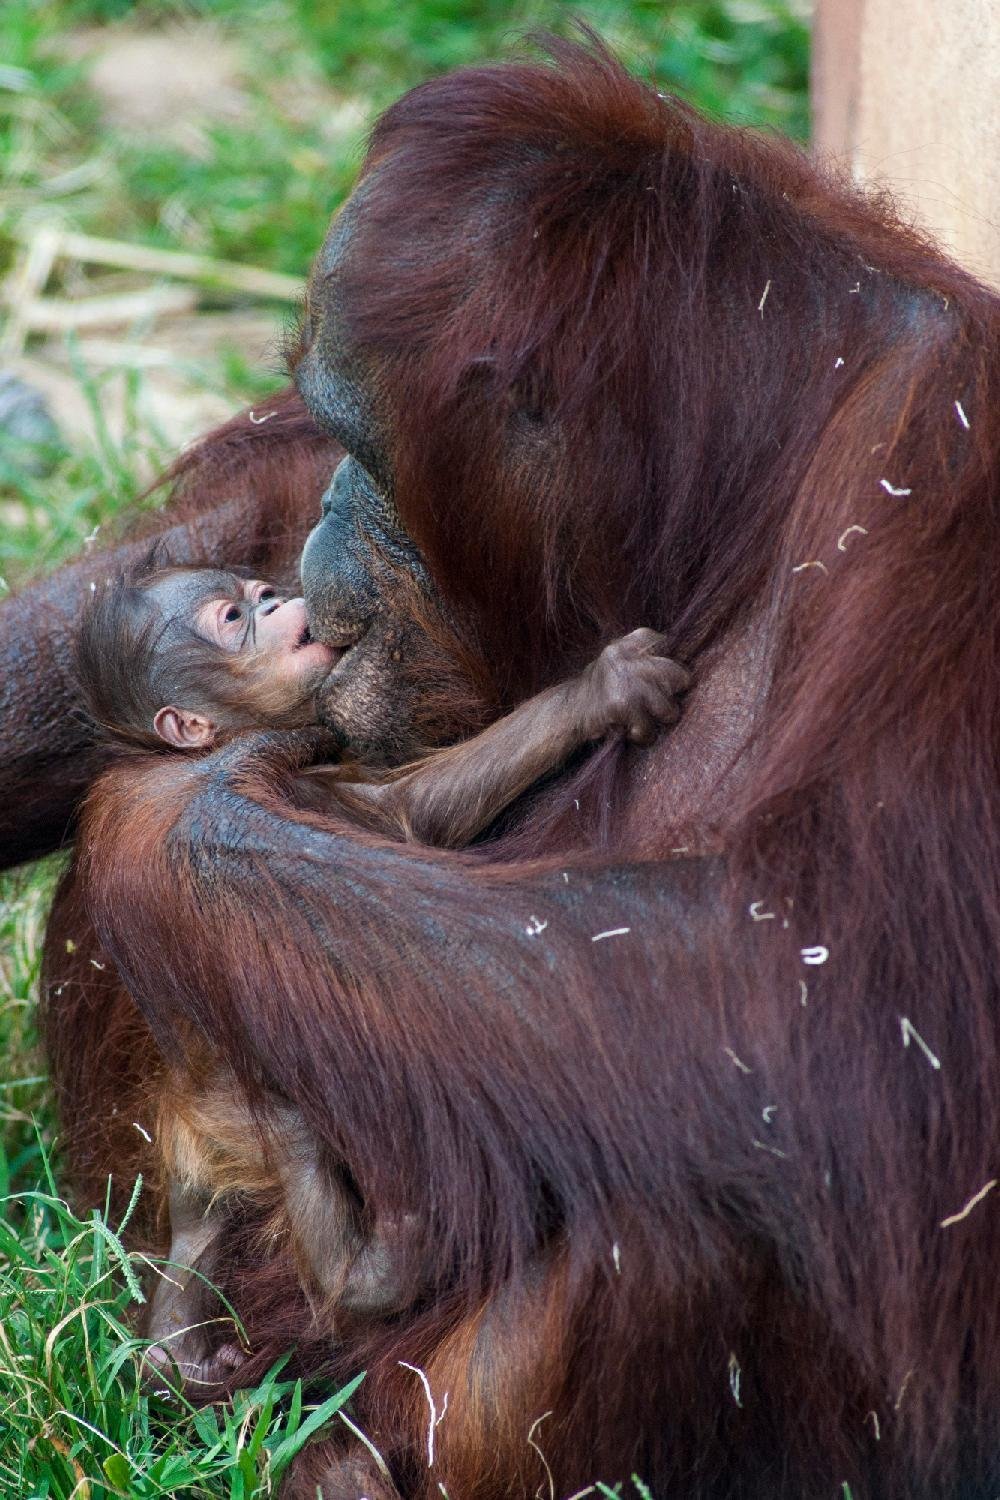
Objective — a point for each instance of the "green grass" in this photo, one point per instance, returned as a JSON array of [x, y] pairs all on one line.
[[258, 190], [73, 1411], [80, 1421], [50, 510]]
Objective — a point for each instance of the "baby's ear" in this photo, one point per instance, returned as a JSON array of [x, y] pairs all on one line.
[[183, 729]]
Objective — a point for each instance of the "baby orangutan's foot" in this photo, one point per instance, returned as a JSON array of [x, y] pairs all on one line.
[[176, 1366], [342, 1476]]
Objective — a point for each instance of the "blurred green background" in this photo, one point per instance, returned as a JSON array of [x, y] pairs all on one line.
[[288, 87], [228, 130]]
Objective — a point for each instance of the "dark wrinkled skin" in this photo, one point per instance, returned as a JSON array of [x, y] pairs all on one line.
[[354, 557], [351, 569]]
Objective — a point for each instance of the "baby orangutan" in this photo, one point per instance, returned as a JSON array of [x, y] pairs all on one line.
[[186, 657], [180, 659]]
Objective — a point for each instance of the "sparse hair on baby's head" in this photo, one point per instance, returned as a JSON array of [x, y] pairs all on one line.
[[137, 650]]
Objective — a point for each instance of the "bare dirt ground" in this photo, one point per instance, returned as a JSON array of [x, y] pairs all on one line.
[[168, 84]]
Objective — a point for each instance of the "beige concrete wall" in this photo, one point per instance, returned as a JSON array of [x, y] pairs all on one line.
[[908, 93]]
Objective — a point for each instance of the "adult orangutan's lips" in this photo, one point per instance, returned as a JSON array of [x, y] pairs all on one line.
[[339, 647], [346, 645]]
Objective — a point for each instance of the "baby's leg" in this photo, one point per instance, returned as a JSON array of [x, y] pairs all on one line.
[[215, 1148], [356, 1271], [182, 1345]]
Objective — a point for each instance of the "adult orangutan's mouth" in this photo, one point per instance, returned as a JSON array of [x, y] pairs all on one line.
[[347, 645], [342, 646]]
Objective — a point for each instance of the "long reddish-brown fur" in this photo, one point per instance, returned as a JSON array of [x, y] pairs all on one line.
[[685, 1197]]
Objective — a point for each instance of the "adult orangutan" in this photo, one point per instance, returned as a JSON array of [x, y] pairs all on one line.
[[686, 1084]]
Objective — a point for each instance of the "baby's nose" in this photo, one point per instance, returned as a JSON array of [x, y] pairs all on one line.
[[268, 606], [293, 616]]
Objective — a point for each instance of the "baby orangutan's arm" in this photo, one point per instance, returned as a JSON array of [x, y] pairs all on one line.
[[454, 794]]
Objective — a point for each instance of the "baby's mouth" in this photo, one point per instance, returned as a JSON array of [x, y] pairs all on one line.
[[333, 654]]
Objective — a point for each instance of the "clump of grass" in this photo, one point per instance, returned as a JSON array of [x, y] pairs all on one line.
[[77, 1418], [24, 902]]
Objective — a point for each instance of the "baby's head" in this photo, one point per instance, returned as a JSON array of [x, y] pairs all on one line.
[[184, 656]]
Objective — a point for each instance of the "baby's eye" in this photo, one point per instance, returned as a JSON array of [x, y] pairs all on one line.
[[266, 593], [232, 614]]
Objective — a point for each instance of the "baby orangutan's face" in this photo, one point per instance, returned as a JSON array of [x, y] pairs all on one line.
[[276, 665], [252, 619]]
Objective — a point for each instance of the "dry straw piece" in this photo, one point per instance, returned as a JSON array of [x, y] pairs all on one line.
[[30, 311]]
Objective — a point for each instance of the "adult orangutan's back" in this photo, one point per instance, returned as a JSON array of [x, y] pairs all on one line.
[[698, 1149]]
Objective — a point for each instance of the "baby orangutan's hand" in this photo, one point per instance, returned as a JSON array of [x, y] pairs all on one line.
[[632, 686]]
